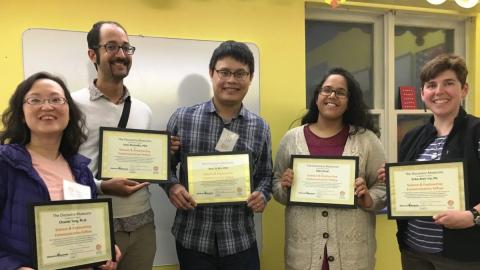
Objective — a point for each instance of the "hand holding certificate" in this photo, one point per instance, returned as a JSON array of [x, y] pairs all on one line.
[[72, 234], [423, 189], [134, 154], [324, 181], [215, 178]]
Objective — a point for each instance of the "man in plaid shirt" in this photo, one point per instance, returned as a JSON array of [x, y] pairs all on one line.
[[221, 236]]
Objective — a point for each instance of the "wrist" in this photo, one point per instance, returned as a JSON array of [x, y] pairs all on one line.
[[475, 216], [366, 201]]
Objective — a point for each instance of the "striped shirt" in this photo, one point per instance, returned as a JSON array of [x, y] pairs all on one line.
[[423, 234], [222, 230]]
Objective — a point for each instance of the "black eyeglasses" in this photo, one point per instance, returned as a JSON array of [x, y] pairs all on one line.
[[339, 92], [40, 101], [113, 48], [225, 74]]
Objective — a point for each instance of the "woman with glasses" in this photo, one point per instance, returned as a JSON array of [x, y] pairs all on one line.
[[337, 124], [42, 131]]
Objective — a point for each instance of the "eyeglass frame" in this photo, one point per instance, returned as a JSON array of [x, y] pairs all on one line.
[[226, 74], [43, 100], [324, 92], [125, 48]]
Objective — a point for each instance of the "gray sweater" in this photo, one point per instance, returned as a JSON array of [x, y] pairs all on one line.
[[351, 232]]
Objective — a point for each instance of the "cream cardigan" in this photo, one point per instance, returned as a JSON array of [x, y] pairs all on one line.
[[351, 232]]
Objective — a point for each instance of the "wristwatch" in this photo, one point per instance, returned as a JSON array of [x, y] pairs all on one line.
[[476, 216]]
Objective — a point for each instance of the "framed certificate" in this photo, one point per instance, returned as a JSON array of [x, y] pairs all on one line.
[[219, 178], [325, 181], [423, 189], [72, 234], [142, 155]]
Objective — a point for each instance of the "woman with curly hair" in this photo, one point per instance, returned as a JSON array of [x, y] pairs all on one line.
[[337, 124]]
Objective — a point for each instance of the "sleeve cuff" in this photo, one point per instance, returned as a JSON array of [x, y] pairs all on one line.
[[98, 183]]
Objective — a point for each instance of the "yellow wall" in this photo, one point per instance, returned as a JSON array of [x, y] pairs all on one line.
[[276, 26]]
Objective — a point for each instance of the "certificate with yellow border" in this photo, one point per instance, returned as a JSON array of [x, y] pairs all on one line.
[[219, 178], [423, 189], [142, 155], [72, 234], [326, 181]]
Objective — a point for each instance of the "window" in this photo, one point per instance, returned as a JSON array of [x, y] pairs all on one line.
[[325, 40], [385, 51]]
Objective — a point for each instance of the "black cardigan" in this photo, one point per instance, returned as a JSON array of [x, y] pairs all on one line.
[[462, 142]]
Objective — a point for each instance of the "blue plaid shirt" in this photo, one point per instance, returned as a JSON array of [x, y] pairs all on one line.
[[230, 227]]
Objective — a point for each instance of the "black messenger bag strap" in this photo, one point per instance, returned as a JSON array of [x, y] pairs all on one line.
[[125, 113]]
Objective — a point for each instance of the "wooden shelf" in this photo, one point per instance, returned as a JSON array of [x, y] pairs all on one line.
[[414, 112]]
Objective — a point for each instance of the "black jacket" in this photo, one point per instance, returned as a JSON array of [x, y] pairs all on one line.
[[462, 142]]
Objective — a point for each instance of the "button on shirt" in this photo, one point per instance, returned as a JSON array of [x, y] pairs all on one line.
[[222, 230]]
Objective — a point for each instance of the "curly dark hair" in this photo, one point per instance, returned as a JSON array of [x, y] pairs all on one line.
[[15, 130], [357, 113]]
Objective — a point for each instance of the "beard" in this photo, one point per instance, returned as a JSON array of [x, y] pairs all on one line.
[[112, 71], [119, 75]]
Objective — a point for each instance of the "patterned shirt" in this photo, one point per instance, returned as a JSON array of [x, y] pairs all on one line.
[[229, 228], [423, 234]]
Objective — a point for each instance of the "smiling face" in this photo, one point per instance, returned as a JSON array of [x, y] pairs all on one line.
[[111, 66], [45, 119], [229, 91], [332, 107], [443, 94]]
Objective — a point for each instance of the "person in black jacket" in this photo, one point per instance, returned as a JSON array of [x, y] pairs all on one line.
[[450, 239]]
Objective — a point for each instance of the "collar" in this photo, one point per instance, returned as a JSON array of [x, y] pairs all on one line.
[[210, 107], [19, 157], [457, 123], [95, 93]]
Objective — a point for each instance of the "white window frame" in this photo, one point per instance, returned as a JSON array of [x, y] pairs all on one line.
[[384, 22], [376, 19], [414, 20]]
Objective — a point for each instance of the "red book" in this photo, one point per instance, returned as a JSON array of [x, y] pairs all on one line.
[[407, 97]]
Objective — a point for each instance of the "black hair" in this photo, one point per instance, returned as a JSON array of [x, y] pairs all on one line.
[[15, 130], [237, 50], [93, 37], [357, 113]]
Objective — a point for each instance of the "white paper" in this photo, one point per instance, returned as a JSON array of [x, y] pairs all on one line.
[[74, 191]]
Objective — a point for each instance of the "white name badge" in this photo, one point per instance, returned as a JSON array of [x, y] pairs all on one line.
[[75, 191], [227, 141]]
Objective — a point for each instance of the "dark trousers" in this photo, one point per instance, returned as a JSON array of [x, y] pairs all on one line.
[[414, 260], [194, 260]]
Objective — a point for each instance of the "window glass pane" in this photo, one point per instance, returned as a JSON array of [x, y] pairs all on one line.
[[407, 122], [376, 123], [339, 44], [414, 46]]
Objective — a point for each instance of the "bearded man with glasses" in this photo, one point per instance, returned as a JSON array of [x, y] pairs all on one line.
[[104, 103]]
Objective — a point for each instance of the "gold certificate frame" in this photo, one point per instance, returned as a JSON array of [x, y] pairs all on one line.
[[324, 181], [219, 178], [142, 155], [72, 234], [423, 189]]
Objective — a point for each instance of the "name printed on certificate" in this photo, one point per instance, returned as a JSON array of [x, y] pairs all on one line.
[[424, 189], [219, 178], [323, 180], [72, 233]]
